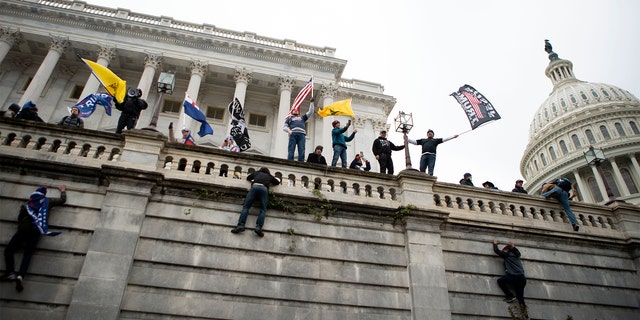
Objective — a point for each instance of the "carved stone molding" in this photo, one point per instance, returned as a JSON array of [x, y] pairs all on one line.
[[10, 35], [328, 90], [243, 75], [286, 82], [153, 60], [199, 67], [59, 44], [107, 52], [21, 64]]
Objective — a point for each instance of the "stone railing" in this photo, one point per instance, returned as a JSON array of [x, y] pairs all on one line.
[[150, 151]]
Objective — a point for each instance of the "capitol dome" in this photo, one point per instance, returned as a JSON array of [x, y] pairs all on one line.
[[578, 115]]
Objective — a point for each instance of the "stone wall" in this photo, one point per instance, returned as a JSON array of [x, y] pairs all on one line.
[[146, 236]]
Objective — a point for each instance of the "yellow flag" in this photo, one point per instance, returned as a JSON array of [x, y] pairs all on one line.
[[112, 83], [338, 108]]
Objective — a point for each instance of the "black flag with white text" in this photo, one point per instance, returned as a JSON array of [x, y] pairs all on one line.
[[478, 109]]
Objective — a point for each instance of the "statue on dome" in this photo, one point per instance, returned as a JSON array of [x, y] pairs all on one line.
[[549, 49]]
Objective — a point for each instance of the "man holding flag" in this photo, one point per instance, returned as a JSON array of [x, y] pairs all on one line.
[[294, 124]]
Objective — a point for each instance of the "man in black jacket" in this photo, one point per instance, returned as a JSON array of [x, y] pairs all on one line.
[[131, 108], [260, 182], [382, 150], [515, 277], [317, 157]]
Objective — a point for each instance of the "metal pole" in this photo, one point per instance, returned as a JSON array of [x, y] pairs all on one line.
[[156, 113], [406, 149]]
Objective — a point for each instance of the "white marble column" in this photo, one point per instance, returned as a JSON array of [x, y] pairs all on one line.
[[33, 92], [635, 168], [617, 176], [242, 77], [585, 195], [105, 54], [322, 132], [279, 138], [8, 38], [602, 189], [151, 63], [198, 71]]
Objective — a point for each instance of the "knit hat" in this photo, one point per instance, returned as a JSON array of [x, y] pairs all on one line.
[[333, 124], [430, 131], [466, 175], [319, 147]]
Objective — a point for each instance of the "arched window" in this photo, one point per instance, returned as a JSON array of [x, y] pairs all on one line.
[[590, 137], [634, 127], [544, 159], [552, 152], [612, 183], [628, 180], [620, 129], [563, 147], [605, 132], [595, 191], [576, 141], [535, 163]]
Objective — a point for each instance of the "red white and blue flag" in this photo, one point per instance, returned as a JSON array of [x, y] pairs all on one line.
[[87, 106], [192, 110], [478, 109], [304, 92]]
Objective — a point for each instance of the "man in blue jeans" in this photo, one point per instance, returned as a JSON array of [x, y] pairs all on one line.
[[429, 146], [295, 127], [260, 182], [561, 192], [339, 141]]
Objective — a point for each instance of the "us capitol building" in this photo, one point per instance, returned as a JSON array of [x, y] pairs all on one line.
[[578, 115], [39, 61]]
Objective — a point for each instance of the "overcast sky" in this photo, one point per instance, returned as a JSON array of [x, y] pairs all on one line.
[[422, 51]]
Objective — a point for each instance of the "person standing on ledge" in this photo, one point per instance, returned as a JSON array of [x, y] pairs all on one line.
[[131, 108], [295, 126], [260, 182], [340, 142], [382, 150], [429, 146]]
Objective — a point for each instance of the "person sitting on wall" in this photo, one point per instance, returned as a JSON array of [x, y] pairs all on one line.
[[316, 156], [559, 189], [357, 163]]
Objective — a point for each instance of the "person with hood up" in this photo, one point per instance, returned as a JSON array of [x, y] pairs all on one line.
[[260, 182], [131, 108], [29, 111], [466, 181], [11, 112], [382, 151]]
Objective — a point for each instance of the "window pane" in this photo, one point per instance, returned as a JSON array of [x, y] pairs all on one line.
[[590, 137], [612, 183], [634, 127], [620, 129], [257, 120], [552, 152], [563, 147], [626, 176], [576, 141], [215, 113], [544, 159], [595, 191], [76, 92], [171, 106], [605, 132]]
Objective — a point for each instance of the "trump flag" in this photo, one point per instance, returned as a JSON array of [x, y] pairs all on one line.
[[478, 109], [239, 130]]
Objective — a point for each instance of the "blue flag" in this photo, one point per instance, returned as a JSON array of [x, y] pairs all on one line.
[[88, 105], [192, 110]]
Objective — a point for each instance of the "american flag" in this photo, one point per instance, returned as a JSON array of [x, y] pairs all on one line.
[[478, 109], [306, 90]]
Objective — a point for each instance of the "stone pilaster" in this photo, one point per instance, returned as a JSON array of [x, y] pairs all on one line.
[[103, 278]]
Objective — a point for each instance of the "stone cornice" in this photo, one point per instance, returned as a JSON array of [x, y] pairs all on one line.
[[165, 30]]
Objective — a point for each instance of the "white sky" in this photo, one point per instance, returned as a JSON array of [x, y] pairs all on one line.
[[421, 51]]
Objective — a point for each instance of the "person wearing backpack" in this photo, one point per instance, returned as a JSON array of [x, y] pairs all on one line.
[[561, 193]]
